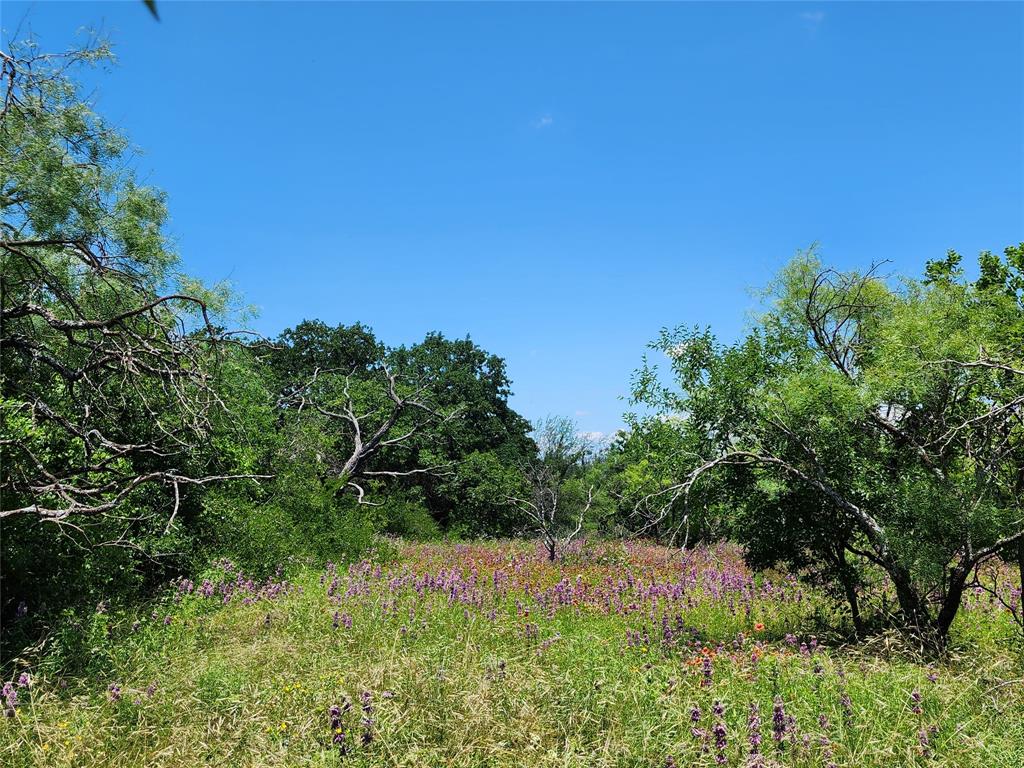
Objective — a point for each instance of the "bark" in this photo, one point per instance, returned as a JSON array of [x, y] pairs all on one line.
[[950, 604], [848, 578], [1020, 565]]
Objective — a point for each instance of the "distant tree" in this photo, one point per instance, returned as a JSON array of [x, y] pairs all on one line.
[[362, 417], [556, 505], [866, 422], [463, 375], [313, 346]]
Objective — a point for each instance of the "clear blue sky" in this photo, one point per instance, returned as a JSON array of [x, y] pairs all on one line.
[[560, 181]]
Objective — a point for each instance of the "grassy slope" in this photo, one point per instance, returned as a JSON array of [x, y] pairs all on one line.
[[452, 683]]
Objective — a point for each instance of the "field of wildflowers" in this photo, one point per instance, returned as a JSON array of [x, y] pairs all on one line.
[[621, 654]]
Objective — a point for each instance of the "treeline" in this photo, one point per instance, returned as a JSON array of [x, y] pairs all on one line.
[[143, 434], [866, 429]]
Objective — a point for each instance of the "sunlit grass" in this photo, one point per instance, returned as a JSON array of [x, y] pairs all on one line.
[[547, 665]]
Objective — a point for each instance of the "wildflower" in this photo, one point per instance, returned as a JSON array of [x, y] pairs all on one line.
[[754, 728], [24, 681], [708, 672], [827, 754], [115, 692], [150, 690], [366, 701], [10, 695], [925, 743], [759, 626], [337, 729], [719, 732], [778, 721], [847, 705], [915, 700]]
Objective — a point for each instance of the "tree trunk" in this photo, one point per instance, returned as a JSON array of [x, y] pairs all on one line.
[[849, 581], [912, 605], [1020, 565], [950, 604]]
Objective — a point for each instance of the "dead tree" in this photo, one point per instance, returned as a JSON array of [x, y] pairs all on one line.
[[545, 510], [563, 452], [400, 412]]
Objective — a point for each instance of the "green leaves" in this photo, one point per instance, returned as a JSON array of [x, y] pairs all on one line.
[[905, 399]]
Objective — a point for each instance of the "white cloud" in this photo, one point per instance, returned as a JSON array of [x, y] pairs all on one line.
[[544, 121], [582, 413], [814, 17]]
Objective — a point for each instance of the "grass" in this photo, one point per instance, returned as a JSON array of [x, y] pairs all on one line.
[[485, 655]]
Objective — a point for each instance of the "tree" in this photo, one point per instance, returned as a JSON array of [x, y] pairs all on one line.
[[404, 418], [365, 417], [863, 421], [108, 353], [556, 505], [488, 432]]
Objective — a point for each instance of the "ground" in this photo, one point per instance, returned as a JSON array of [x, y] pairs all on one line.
[[621, 654]]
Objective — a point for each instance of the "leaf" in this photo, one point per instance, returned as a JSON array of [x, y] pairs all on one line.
[[151, 4]]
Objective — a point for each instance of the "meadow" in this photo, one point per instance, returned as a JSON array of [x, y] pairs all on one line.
[[486, 654]]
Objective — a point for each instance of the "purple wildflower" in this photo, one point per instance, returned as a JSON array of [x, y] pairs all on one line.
[[337, 729], [115, 692], [915, 700], [719, 732], [754, 728], [366, 701], [778, 721], [708, 670], [925, 743]]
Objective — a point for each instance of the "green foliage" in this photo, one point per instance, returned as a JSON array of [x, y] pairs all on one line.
[[855, 420]]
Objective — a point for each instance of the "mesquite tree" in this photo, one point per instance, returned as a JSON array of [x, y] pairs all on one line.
[[861, 422], [108, 354]]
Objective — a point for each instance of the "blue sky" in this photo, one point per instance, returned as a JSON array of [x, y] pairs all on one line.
[[559, 181]]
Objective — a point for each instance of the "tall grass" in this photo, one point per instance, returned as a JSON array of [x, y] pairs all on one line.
[[486, 655]]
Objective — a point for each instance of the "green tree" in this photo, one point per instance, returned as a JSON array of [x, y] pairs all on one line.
[[112, 413], [861, 420]]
